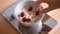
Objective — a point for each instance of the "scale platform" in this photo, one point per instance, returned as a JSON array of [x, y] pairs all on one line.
[[9, 15]]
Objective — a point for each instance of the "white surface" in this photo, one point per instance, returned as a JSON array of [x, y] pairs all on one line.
[[50, 22]]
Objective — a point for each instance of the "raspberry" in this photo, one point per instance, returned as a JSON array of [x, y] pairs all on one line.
[[28, 19], [22, 14], [24, 19], [30, 8], [38, 11]]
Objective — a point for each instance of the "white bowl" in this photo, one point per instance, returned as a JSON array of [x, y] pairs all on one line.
[[36, 27], [20, 6]]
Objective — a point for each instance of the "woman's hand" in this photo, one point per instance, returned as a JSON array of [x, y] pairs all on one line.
[[53, 4]]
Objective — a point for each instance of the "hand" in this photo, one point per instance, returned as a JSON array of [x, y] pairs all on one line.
[[53, 4]]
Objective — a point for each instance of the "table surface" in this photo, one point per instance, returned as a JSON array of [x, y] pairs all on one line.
[[6, 28]]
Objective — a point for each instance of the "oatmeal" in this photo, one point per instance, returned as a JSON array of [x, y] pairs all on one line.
[[30, 15]]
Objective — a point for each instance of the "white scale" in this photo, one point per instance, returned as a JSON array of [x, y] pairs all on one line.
[[9, 15]]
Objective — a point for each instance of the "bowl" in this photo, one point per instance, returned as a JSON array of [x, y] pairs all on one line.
[[35, 26], [20, 6]]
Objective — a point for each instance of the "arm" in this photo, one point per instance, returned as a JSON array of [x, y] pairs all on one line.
[[53, 4]]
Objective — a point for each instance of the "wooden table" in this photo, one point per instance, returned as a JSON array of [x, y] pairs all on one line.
[[6, 28]]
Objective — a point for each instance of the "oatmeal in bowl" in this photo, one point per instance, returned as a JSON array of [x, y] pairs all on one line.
[[29, 15]]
